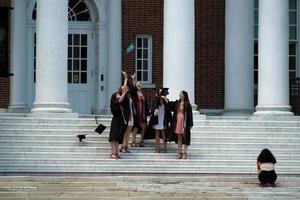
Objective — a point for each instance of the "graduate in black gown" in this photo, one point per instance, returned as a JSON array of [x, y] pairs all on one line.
[[118, 125]]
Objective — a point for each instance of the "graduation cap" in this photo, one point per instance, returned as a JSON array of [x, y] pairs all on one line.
[[81, 137], [100, 128], [165, 91], [130, 48]]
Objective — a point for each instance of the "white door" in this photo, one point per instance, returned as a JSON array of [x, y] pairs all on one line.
[[80, 72]]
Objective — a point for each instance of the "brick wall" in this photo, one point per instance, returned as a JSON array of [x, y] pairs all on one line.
[[143, 17], [4, 82], [209, 53]]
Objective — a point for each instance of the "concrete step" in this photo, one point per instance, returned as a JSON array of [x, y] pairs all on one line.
[[139, 155]]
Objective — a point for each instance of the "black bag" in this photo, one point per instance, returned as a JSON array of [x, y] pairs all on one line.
[[100, 128]]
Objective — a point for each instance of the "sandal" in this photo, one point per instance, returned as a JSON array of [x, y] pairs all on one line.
[[142, 144], [184, 156], [121, 149], [126, 150], [119, 157], [179, 156], [114, 157], [157, 151], [133, 144]]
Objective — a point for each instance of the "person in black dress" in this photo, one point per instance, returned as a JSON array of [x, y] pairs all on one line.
[[118, 123], [265, 168]]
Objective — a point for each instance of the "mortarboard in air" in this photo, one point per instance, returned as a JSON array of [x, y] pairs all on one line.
[[81, 137], [100, 128], [130, 48]]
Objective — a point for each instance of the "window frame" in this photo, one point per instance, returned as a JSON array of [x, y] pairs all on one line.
[[149, 70]]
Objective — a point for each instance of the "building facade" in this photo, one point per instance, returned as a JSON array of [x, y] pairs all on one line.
[[60, 56]]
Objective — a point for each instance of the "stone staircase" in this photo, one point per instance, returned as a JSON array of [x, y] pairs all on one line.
[[220, 145], [43, 159]]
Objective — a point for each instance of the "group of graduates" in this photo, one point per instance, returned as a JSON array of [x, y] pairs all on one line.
[[169, 120]]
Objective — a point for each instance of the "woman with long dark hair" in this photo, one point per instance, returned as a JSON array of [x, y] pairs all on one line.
[[118, 123], [181, 123], [265, 168]]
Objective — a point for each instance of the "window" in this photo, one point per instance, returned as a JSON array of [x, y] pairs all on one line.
[[144, 58], [77, 11], [77, 58]]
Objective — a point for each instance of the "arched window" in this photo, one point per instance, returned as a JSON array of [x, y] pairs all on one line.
[[78, 11]]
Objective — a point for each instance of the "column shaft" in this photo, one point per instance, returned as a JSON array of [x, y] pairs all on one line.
[[51, 66], [179, 47], [18, 57], [239, 39], [273, 72], [114, 48]]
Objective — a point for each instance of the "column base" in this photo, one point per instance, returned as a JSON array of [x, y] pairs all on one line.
[[18, 108], [52, 107], [273, 110], [238, 112]]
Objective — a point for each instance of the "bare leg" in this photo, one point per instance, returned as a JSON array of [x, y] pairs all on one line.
[[179, 146], [133, 134], [157, 141], [164, 139], [184, 155], [143, 126], [126, 138]]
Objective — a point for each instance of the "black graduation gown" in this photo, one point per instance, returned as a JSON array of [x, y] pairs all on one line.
[[188, 115], [118, 123]]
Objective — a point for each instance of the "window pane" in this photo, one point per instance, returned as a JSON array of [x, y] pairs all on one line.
[[145, 42], [69, 77], [139, 64], [256, 31], [83, 77], [139, 43], [75, 77], [255, 62], [83, 39], [145, 76], [83, 65], [83, 52], [293, 17], [69, 52], [255, 48], [145, 53], [292, 74], [293, 33], [292, 49], [145, 65], [76, 52], [69, 65], [293, 4], [70, 39], [292, 63], [255, 77], [76, 39], [75, 65], [255, 16], [139, 53], [256, 4], [139, 76]]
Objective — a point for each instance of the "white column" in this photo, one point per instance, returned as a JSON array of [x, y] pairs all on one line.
[[239, 71], [51, 67], [179, 47], [273, 74], [114, 48], [18, 57]]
